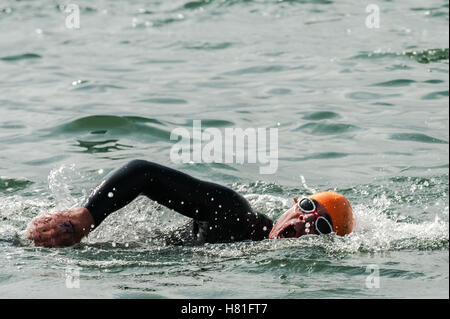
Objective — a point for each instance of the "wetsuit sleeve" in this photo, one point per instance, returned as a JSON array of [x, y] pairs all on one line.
[[227, 214]]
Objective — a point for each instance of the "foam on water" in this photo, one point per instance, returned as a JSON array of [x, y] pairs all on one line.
[[60, 183]]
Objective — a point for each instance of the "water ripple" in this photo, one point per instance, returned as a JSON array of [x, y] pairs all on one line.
[[11, 185], [322, 115], [25, 56], [327, 128], [114, 126], [258, 69], [398, 82], [425, 56], [416, 137]]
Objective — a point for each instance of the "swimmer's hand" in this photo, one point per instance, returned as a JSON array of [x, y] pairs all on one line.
[[63, 228]]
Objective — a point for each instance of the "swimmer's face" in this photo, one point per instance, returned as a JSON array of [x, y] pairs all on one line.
[[295, 223]]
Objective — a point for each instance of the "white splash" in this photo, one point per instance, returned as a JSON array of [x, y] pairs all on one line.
[[311, 190], [62, 183]]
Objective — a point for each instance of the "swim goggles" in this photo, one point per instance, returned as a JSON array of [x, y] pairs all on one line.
[[323, 224]]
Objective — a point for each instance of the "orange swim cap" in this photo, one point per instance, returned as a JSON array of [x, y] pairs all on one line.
[[340, 211]]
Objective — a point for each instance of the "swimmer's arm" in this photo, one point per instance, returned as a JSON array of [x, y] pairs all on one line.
[[228, 213], [203, 201], [68, 227], [166, 186]]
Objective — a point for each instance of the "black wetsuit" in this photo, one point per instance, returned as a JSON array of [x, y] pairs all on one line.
[[218, 213]]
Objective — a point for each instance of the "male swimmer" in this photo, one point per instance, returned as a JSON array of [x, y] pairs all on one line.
[[218, 214]]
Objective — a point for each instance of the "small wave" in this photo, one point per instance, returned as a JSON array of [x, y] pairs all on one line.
[[436, 95], [196, 4], [216, 123], [428, 56], [425, 56], [434, 81], [6, 10], [395, 83], [363, 95], [206, 4], [258, 69], [159, 23], [104, 121], [280, 91], [113, 125], [326, 155], [432, 11], [207, 46], [11, 185], [259, 187], [15, 213], [84, 9], [104, 146], [97, 87], [25, 56], [327, 128], [165, 100], [416, 137], [322, 115]]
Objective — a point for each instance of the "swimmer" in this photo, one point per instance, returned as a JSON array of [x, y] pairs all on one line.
[[217, 213]]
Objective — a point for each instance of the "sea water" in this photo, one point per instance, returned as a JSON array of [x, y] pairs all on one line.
[[359, 97]]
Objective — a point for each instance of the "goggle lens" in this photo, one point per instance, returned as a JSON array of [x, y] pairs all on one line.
[[323, 226], [307, 205]]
